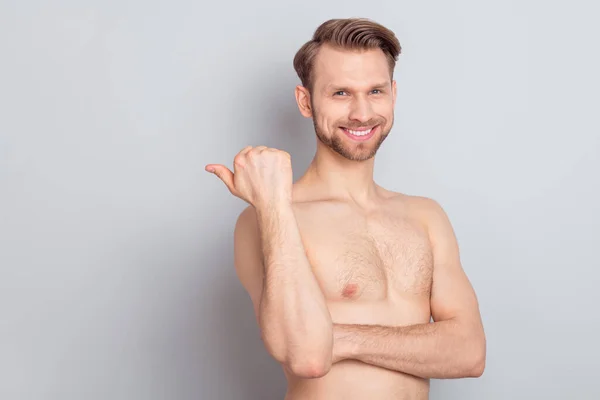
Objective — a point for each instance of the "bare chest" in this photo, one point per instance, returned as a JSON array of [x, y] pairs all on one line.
[[368, 259]]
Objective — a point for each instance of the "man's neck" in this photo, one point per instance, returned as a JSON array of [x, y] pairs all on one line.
[[335, 177]]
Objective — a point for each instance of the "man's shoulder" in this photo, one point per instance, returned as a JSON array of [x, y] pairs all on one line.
[[414, 203], [246, 243], [427, 210], [248, 214], [246, 225]]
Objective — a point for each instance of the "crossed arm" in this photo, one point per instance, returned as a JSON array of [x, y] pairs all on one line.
[[453, 346], [295, 324]]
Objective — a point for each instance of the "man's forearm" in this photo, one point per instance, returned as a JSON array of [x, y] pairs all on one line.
[[295, 319], [445, 349]]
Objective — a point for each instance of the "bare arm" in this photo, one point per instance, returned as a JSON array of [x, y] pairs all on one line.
[[271, 262], [453, 346], [290, 308]]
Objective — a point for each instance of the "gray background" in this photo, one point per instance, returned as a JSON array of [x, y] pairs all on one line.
[[116, 276]]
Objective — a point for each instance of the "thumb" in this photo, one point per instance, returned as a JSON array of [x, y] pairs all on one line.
[[224, 174]]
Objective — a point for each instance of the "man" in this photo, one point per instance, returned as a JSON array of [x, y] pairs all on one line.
[[344, 275]]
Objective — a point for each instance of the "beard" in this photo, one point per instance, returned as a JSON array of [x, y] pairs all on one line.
[[360, 151]]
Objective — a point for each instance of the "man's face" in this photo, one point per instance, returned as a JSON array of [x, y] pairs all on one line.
[[352, 101]]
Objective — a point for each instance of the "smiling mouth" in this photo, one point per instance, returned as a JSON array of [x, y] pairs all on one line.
[[360, 134]]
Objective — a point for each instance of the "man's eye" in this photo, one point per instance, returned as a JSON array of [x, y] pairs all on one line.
[[339, 93], [376, 91]]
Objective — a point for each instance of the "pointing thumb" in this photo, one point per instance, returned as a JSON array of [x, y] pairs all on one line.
[[223, 173]]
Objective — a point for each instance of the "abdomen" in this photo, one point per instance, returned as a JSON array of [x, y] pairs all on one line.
[[351, 380]]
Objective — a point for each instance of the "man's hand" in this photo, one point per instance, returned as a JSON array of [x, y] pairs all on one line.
[[261, 175]]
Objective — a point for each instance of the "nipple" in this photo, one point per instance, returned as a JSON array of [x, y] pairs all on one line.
[[349, 290]]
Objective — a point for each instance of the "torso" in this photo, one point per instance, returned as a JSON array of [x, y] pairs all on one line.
[[373, 268]]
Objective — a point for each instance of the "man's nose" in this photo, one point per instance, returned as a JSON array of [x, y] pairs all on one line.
[[360, 109]]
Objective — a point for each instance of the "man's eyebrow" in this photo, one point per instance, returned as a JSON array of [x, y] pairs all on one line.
[[331, 86], [335, 87], [382, 85]]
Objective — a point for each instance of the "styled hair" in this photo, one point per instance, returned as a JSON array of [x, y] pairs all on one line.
[[348, 33]]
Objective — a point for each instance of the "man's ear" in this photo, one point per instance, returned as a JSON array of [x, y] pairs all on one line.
[[394, 92], [303, 100]]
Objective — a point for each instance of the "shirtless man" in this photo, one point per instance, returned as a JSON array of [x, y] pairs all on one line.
[[344, 275]]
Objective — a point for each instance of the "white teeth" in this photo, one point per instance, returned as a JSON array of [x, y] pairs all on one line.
[[360, 133]]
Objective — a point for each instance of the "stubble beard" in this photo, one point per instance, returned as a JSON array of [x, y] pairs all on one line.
[[359, 151]]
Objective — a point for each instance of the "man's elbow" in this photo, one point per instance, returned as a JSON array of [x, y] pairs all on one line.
[[476, 365], [301, 363], [477, 368], [309, 368]]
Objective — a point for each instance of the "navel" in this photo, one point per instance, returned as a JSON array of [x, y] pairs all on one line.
[[349, 290]]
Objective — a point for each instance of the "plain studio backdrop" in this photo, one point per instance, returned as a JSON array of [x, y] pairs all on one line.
[[116, 272]]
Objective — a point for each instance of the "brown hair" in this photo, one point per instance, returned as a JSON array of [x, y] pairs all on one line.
[[351, 34]]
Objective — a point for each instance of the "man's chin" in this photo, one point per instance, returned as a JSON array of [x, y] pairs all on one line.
[[360, 152], [353, 150]]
